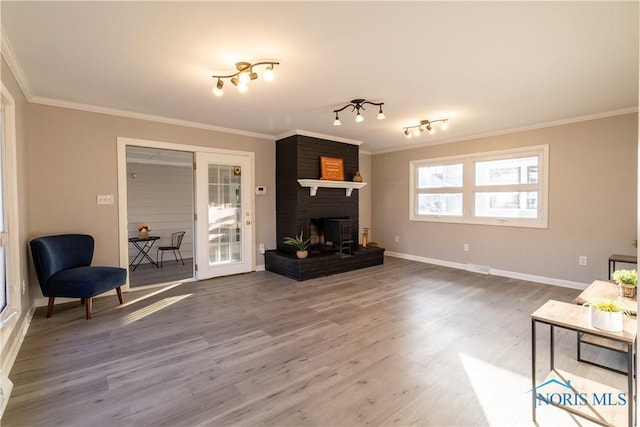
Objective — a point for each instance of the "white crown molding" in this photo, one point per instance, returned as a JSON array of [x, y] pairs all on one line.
[[568, 121], [141, 116], [317, 135], [9, 55]]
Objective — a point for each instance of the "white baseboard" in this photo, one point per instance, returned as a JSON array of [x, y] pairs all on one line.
[[5, 391], [10, 354], [493, 271], [260, 267], [9, 357]]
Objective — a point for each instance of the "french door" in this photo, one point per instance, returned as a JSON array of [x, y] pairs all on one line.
[[224, 214]]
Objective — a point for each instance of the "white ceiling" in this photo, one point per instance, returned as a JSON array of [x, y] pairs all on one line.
[[489, 67]]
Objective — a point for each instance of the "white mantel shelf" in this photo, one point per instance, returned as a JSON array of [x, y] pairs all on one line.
[[314, 184]]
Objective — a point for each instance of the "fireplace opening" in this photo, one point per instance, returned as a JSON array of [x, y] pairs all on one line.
[[332, 235]]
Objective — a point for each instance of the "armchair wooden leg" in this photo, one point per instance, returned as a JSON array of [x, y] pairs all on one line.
[[87, 307], [50, 306], [119, 291]]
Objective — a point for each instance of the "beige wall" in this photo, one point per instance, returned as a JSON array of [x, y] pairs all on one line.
[[73, 158], [592, 204]]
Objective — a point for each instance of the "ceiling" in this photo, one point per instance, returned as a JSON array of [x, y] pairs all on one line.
[[489, 67]]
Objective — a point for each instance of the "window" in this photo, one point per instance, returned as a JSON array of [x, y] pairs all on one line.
[[4, 284], [507, 187], [10, 304]]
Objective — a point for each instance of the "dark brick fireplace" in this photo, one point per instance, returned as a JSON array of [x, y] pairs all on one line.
[[330, 218]]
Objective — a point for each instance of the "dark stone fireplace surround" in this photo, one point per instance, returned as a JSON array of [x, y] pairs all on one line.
[[298, 157]]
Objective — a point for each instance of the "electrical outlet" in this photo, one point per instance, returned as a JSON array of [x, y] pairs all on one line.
[[397, 239], [262, 248], [465, 247], [582, 260]]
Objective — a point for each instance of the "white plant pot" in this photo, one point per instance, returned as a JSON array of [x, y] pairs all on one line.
[[605, 320]]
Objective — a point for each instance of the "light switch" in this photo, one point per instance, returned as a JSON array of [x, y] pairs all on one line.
[[261, 190], [105, 199]]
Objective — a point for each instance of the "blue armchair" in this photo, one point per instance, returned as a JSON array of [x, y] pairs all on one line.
[[63, 267]]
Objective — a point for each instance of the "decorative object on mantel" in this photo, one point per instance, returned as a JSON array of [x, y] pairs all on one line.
[[143, 231], [300, 243], [331, 168], [605, 314], [365, 237], [244, 75], [357, 105], [357, 177], [416, 130], [627, 281], [314, 184]]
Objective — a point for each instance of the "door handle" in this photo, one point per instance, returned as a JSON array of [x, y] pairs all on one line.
[[248, 222]]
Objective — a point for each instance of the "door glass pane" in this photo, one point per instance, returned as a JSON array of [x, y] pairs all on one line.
[[225, 228]]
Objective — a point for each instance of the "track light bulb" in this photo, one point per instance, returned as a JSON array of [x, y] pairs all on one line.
[[359, 118], [242, 87], [217, 91], [268, 73], [417, 131], [381, 114], [244, 77], [336, 122], [444, 125]]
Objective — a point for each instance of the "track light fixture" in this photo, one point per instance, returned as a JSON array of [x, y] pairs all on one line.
[[244, 75], [416, 130], [357, 105]]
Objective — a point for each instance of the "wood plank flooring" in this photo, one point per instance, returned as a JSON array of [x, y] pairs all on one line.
[[404, 343], [146, 273]]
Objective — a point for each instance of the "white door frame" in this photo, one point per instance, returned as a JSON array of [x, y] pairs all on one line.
[[122, 142]]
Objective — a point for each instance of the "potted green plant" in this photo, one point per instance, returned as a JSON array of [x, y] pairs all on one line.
[[605, 314], [300, 243], [628, 282]]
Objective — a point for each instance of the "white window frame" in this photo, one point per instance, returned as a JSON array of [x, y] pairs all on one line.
[[10, 314], [469, 188]]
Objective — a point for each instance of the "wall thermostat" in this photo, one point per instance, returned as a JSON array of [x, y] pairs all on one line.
[[261, 190]]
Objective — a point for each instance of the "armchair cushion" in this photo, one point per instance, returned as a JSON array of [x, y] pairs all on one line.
[[84, 282]]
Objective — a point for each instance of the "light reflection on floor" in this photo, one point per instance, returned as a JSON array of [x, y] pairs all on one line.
[[150, 309], [505, 398]]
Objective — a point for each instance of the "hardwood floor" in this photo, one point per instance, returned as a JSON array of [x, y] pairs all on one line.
[[146, 273], [404, 343]]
